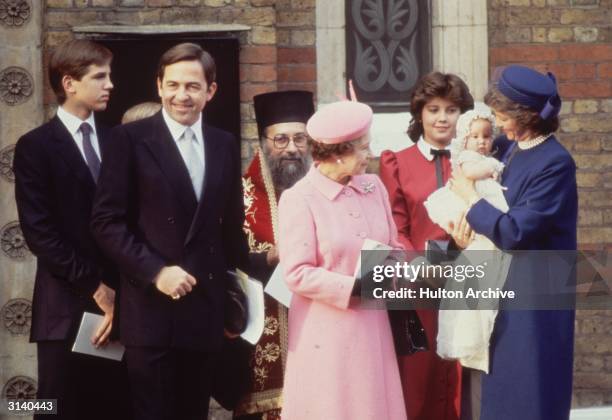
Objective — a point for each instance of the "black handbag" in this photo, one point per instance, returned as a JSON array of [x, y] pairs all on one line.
[[439, 251], [409, 335], [236, 306]]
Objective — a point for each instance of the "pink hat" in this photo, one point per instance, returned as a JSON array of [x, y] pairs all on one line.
[[339, 122]]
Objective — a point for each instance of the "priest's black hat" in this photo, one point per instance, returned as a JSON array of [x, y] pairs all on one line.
[[284, 106]]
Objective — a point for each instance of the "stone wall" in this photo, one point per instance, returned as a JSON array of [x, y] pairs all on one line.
[[21, 90], [572, 38]]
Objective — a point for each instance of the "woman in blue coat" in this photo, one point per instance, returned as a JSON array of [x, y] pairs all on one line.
[[531, 350]]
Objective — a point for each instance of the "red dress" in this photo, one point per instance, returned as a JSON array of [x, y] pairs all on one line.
[[431, 385]]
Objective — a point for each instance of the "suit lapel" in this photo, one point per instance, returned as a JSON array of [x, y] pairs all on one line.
[[212, 172], [167, 155], [69, 151]]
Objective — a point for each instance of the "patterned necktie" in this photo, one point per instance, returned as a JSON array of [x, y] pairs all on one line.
[[91, 158], [188, 146], [438, 154]]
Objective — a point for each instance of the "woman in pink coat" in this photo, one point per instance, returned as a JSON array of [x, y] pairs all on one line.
[[341, 362]]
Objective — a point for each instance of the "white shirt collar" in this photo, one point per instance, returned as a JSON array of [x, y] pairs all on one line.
[[425, 148], [177, 129], [73, 123]]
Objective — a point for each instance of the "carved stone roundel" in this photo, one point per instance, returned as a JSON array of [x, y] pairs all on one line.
[[19, 388], [16, 85], [12, 241], [14, 12], [6, 163], [17, 316]]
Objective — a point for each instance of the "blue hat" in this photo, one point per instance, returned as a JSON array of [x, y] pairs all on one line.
[[532, 89]]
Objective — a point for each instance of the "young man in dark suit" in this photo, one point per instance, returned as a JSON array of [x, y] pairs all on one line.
[[56, 169], [169, 213]]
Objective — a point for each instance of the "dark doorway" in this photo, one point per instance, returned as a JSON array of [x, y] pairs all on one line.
[[134, 70]]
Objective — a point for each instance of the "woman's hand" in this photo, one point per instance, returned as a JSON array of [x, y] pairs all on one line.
[[462, 186], [462, 233]]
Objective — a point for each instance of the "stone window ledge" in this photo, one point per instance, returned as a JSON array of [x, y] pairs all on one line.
[[158, 29]]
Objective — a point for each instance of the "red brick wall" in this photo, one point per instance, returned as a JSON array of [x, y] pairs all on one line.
[[296, 44], [571, 38]]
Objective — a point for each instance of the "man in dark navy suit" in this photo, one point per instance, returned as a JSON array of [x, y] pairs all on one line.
[[169, 213], [56, 169]]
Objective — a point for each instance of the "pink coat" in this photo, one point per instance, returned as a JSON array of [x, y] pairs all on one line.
[[341, 362]]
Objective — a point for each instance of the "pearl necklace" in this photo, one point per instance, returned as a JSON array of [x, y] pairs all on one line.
[[530, 144]]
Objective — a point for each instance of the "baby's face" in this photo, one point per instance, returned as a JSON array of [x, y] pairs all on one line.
[[480, 138]]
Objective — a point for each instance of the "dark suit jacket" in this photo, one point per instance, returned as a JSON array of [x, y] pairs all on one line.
[[146, 216], [54, 191]]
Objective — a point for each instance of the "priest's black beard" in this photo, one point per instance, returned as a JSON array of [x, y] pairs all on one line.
[[287, 169]]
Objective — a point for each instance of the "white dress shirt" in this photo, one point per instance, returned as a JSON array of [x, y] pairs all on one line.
[[73, 124]]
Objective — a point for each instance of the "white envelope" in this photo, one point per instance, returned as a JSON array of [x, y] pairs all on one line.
[[82, 344]]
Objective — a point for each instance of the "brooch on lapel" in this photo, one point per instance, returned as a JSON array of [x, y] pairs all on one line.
[[368, 187]]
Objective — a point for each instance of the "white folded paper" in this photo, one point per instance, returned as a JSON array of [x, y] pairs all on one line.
[[277, 288], [372, 258], [253, 289], [82, 344]]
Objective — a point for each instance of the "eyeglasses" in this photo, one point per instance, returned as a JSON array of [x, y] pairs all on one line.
[[281, 141]]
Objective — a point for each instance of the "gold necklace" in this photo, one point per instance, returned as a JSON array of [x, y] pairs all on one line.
[[531, 143]]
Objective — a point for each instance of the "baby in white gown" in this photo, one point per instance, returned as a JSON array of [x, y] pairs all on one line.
[[470, 151], [464, 334]]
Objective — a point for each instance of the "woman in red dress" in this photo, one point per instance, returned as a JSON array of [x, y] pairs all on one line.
[[431, 385]]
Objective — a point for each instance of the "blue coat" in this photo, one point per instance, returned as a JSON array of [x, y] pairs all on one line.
[[531, 351]]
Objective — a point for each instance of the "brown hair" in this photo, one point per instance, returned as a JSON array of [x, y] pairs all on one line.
[[525, 117], [140, 111], [188, 51], [322, 151], [437, 85], [73, 58]]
